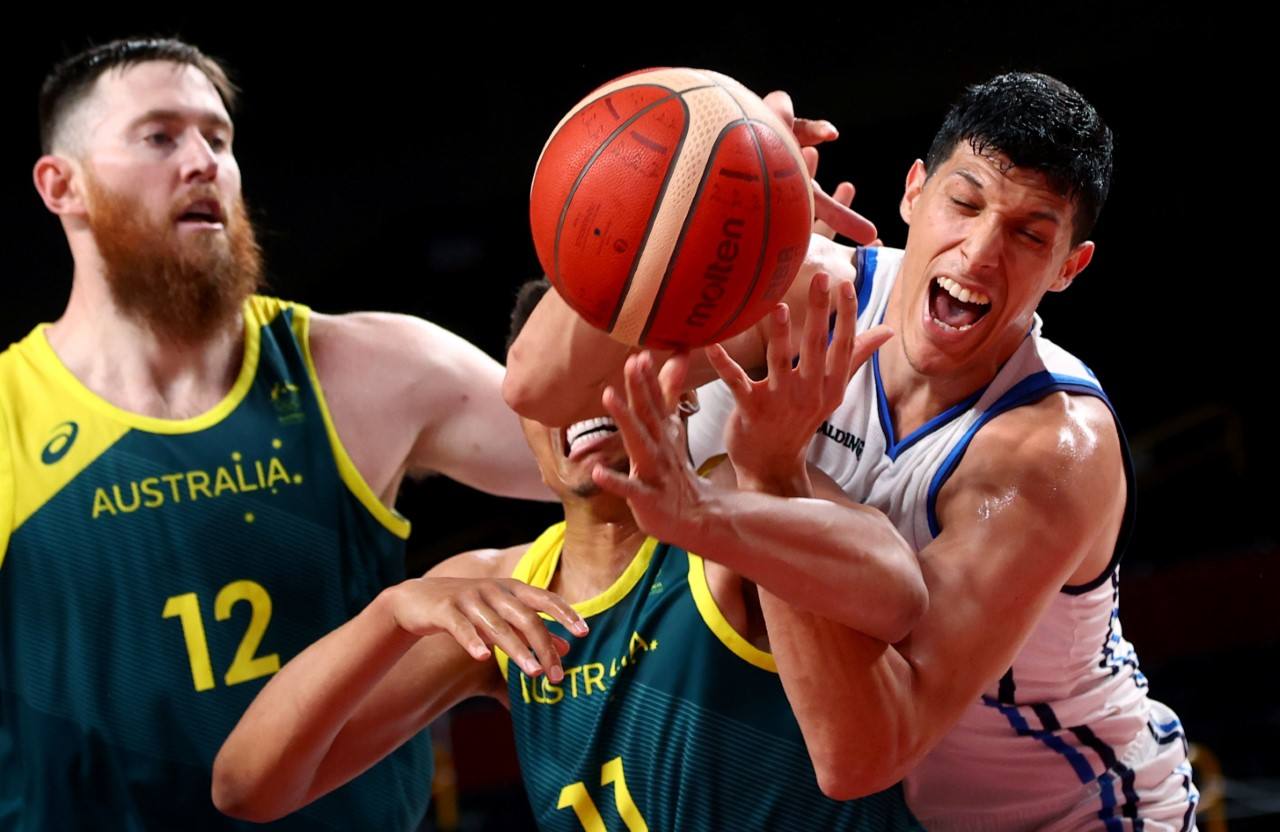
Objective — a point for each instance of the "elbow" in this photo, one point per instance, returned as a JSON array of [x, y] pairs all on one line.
[[238, 794], [897, 615], [851, 785], [848, 775], [856, 759], [908, 601], [515, 391], [912, 605], [522, 393]]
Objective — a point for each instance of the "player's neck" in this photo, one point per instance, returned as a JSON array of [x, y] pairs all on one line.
[[914, 394], [123, 361], [599, 543], [914, 397]]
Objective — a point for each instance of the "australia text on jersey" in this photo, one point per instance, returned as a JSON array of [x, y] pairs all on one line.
[[240, 477], [584, 679]]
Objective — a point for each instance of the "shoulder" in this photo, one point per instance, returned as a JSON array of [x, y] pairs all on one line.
[[1059, 457], [1059, 433], [418, 364], [481, 563], [388, 336]]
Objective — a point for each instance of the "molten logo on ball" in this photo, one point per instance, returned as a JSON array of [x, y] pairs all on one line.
[[702, 192], [717, 275]]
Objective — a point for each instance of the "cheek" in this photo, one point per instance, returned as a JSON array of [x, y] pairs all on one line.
[[945, 228], [229, 171]]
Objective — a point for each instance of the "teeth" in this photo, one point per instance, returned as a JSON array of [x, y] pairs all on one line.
[[962, 294], [580, 429], [946, 325]]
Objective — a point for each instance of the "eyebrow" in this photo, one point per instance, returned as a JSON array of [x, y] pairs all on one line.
[[205, 116], [1042, 214]]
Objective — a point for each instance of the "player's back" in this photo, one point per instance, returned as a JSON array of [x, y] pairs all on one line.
[[155, 573], [667, 718]]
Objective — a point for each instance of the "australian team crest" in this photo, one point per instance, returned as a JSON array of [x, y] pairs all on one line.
[[287, 402]]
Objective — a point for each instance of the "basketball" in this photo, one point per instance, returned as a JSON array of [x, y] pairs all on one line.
[[671, 208]]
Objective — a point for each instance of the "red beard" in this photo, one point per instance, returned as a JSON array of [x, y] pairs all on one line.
[[183, 287]]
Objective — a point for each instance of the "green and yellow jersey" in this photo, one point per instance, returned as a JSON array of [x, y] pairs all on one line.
[[155, 573], [667, 718]]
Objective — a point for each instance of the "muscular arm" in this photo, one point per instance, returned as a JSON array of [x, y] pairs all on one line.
[[844, 562], [839, 560], [409, 397], [365, 689], [1036, 504]]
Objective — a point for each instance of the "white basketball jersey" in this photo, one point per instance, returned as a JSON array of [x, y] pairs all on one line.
[[1067, 737]]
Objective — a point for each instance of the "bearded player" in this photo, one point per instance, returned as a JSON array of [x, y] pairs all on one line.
[[196, 482]]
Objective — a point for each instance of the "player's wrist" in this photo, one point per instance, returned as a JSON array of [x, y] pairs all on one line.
[[785, 476], [400, 608]]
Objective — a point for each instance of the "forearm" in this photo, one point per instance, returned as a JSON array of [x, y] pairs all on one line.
[[844, 563], [559, 364], [859, 702], [268, 764]]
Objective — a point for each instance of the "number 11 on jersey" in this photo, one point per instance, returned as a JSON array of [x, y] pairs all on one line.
[[574, 796]]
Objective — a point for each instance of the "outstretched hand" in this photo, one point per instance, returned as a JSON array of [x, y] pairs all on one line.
[[769, 431], [663, 490]]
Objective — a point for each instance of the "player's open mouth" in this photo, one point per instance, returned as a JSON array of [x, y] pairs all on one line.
[[955, 308], [581, 437], [202, 212]]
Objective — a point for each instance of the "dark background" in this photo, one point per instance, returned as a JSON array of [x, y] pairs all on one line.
[[387, 162]]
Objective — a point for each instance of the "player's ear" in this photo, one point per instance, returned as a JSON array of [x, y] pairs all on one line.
[[1076, 261], [57, 180], [911, 192]]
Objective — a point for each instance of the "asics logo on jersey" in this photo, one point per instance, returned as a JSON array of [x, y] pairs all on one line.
[[843, 437], [64, 436]]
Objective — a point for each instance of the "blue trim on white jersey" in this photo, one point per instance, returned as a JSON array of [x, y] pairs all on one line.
[[1048, 735], [1193, 795], [1112, 660], [1128, 778], [1006, 690], [1032, 388], [865, 263], [1084, 771], [892, 446], [1107, 792]]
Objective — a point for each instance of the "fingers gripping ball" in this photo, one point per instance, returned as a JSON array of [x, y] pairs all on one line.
[[671, 208]]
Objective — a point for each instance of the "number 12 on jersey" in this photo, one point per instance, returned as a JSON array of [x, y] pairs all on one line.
[[574, 796], [246, 665]]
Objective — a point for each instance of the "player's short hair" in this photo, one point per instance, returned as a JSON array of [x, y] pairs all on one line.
[[1039, 123], [71, 80], [527, 297]]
